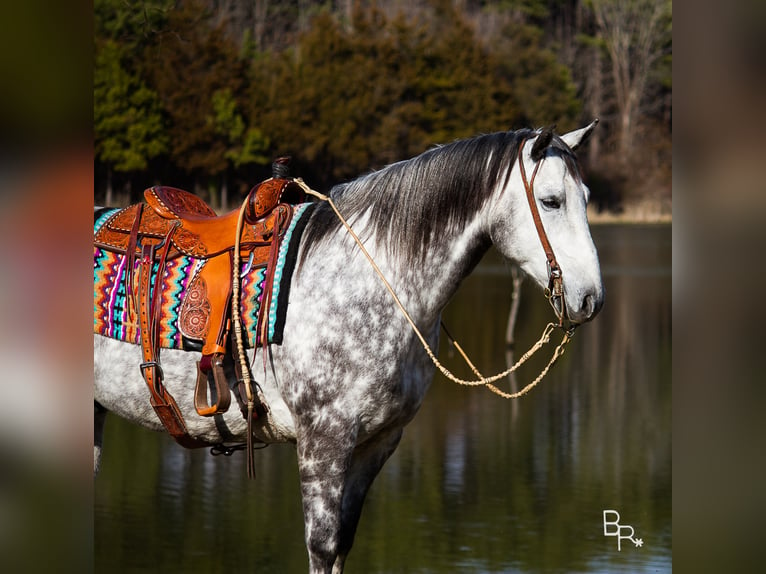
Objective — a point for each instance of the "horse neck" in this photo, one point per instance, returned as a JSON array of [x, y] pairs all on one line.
[[426, 287], [424, 221]]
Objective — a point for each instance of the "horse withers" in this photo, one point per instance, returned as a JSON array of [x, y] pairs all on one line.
[[350, 373]]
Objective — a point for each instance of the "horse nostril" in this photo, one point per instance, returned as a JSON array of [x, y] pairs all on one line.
[[588, 306]]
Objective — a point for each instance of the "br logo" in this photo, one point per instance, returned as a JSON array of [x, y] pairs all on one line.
[[612, 527]]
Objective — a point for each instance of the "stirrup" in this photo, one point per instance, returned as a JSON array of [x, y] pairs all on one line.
[[212, 363]]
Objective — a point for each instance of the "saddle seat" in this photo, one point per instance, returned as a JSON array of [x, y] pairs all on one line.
[[212, 233], [203, 233]]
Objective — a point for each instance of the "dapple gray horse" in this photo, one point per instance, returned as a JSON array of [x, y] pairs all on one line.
[[350, 373]]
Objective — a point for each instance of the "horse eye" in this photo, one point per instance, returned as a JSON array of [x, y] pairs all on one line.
[[551, 203]]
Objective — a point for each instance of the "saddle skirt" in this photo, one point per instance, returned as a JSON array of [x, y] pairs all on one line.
[[184, 305]]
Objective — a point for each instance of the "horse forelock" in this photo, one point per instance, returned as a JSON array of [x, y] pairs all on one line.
[[408, 202]]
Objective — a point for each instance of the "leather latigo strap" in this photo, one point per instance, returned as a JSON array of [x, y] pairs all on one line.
[[130, 254], [148, 312]]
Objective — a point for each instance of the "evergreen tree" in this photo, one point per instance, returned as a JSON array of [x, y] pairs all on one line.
[[349, 98], [216, 89], [540, 86], [244, 145], [201, 80], [127, 118]]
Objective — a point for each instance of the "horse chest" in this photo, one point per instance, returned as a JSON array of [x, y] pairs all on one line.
[[349, 355]]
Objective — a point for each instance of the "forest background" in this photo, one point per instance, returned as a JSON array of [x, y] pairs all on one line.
[[203, 94]]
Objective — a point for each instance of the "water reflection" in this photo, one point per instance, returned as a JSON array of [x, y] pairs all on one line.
[[479, 484]]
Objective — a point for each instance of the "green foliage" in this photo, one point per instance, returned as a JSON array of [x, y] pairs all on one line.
[[244, 146], [528, 9], [190, 62], [219, 89], [541, 87], [127, 119], [131, 23], [383, 90]]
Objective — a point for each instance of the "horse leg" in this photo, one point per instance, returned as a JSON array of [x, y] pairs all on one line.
[[324, 453], [366, 463], [99, 418]]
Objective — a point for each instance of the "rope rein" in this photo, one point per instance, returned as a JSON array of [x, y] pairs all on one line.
[[486, 381], [237, 320]]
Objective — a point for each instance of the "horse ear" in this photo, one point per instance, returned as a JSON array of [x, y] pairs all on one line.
[[578, 137], [541, 143]]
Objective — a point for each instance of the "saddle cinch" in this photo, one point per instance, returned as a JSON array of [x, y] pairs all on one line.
[[174, 223]]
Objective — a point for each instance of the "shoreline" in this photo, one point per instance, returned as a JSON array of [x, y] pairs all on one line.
[[623, 219], [635, 215]]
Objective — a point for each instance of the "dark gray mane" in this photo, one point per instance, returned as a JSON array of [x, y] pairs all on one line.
[[436, 192]]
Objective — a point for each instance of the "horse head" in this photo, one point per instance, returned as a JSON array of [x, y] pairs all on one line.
[[540, 223]]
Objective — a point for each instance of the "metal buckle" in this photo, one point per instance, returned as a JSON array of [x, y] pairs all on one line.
[[150, 364]]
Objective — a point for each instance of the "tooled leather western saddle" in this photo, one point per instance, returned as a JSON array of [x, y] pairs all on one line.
[[174, 223]]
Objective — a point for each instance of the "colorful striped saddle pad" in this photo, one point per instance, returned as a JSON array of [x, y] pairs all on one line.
[[114, 318]]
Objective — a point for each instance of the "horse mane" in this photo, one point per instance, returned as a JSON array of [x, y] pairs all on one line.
[[438, 191]]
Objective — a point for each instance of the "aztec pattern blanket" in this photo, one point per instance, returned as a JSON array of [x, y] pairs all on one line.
[[112, 317]]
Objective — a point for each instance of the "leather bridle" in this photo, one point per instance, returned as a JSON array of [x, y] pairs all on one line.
[[555, 290]]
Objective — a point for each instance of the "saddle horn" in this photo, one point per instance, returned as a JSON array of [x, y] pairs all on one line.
[[280, 167]]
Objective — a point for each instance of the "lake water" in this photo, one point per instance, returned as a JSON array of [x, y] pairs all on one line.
[[478, 483]]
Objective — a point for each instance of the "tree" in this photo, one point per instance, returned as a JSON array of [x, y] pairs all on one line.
[[349, 98], [130, 23], [243, 145], [539, 85], [636, 35], [190, 62], [127, 118], [216, 88], [454, 80]]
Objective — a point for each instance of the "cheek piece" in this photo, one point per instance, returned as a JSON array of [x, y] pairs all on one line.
[[555, 290]]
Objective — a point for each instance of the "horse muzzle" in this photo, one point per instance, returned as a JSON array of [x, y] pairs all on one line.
[[580, 308], [573, 308]]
